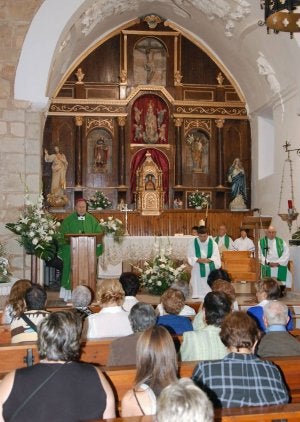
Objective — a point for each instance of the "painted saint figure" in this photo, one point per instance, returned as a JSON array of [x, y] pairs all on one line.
[[59, 170], [150, 134], [236, 176], [101, 155]]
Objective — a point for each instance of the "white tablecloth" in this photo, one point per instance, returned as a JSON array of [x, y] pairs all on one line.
[[133, 249]]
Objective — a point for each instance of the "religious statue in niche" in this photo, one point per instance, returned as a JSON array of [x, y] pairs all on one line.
[[150, 182], [149, 62], [150, 120], [100, 156], [199, 143], [99, 142], [57, 197], [237, 178]]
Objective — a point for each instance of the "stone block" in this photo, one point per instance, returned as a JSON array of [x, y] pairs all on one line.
[[14, 161], [12, 182], [32, 146], [33, 131], [33, 164], [4, 88], [14, 115], [12, 145], [14, 200], [17, 129], [33, 182], [3, 128]]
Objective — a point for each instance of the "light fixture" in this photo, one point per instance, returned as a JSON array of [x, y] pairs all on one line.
[[281, 15]]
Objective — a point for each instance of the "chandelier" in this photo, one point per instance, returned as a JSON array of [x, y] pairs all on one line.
[[281, 15]]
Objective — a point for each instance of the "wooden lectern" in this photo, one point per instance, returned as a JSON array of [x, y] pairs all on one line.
[[256, 223], [83, 259]]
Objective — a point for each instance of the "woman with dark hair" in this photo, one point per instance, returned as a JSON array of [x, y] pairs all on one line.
[[58, 388], [156, 368], [241, 378], [267, 289]]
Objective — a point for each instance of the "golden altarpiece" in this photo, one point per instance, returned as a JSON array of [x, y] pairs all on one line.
[[149, 190], [149, 87]]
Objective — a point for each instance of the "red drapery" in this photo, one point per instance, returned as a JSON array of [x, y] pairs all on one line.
[[160, 160]]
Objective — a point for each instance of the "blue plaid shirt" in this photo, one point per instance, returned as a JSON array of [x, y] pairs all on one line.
[[241, 380]]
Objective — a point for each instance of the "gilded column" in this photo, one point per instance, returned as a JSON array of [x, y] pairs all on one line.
[[78, 152], [178, 152], [220, 160], [122, 161]]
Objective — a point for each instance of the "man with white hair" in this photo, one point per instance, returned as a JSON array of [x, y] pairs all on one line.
[[274, 257], [277, 341]]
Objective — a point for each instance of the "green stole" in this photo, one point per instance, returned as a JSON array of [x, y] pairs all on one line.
[[226, 240], [209, 254], [266, 269]]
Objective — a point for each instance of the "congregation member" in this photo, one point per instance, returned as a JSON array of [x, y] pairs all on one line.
[[184, 401], [243, 243], [224, 242], [223, 286], [194, 231], [130, 284], [15, 305], [123, 350], [240, 378], [58, 388], [184, 287], [111, 320], [79, 222], [219, 274], [203, 255], [173, 302], [24, 327], [267, 289], [274, 256], [277, 341], [156, 367], [205, 343], [81, 299]]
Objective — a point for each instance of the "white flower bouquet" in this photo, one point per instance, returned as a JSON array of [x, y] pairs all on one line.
[[199, 199], [38, 230], [4, 266], [99, 201], [158, 275], [112, 226]]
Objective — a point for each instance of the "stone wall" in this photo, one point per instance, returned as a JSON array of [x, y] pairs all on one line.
[[20, 129]]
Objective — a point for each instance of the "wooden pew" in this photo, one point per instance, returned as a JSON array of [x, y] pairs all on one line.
[[283, 413]]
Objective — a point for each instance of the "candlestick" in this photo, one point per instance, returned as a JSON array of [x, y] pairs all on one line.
[[206, 214], [201, 223]]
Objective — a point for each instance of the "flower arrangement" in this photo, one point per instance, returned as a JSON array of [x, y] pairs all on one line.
[[38, 230], [199, 199], [112, 226], [99, 201], [158, 275], [4, 266]]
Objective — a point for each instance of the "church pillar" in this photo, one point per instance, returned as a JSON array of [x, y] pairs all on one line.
[[78, 153], [122, 162], [178, 152], [220, 160]]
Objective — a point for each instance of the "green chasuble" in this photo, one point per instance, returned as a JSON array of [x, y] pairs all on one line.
[[226, 241], [71, 224], [209, 254], [266, 269]]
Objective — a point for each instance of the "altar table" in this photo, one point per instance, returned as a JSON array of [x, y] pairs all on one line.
[[134, 249]]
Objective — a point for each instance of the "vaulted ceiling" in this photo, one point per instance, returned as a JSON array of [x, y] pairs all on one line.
[[62, 32]]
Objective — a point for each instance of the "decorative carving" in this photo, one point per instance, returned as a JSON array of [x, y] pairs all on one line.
[[123, 76], [220, 79], [121, 121], [265, 69], [199, 124], [68, 107], [177, 78], [78, 120], [79, 75], [152, 21], [178, 122], [220, 123], [97, 123], [211, 110]]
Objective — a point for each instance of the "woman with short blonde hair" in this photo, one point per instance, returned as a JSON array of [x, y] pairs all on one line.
[[111, 320]]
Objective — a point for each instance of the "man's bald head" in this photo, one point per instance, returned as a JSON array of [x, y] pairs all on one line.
[[271, 232]]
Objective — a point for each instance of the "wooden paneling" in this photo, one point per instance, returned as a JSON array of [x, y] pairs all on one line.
[[175, 221]]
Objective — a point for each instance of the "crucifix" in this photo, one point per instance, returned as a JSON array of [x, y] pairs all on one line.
[[126, 210]]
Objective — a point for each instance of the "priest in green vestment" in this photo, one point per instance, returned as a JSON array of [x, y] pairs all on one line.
[[224, 242], [79, 222]]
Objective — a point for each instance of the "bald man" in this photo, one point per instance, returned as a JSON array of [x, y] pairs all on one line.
[[224, 242], [274, 257]]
